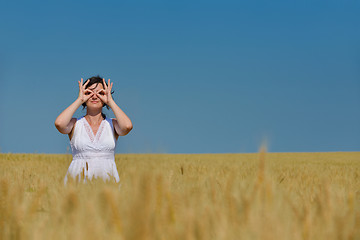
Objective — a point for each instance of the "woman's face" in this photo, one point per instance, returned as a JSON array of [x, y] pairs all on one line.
[[94, 101]]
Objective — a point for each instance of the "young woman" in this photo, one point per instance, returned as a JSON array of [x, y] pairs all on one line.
[[93, 136]]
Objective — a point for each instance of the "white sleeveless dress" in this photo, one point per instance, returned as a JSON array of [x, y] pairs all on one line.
[[93, 156]]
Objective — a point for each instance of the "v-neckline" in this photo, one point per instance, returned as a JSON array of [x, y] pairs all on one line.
[[90, 131]]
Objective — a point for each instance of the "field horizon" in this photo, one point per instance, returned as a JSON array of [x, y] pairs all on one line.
[[164, 153]]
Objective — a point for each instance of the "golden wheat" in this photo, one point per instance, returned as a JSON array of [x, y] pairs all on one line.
[[185, 196]]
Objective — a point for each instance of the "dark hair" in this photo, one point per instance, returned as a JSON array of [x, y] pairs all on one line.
[[93, 80]]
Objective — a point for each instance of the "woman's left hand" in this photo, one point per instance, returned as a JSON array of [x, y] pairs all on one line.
[[105, 94]]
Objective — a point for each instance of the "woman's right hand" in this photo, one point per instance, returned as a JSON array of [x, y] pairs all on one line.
[[84, 94]]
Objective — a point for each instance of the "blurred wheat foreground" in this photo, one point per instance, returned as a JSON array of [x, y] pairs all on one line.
[[178, 196]]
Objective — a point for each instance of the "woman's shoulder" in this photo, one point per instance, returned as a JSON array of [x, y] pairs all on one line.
[[110, 120], [113, 121], [73, 121], [77, 119]]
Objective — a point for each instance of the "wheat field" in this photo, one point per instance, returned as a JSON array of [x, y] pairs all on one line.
[[185, 196]]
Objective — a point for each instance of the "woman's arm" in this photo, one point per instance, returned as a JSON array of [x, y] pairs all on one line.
[[123, 123], [64, 122]]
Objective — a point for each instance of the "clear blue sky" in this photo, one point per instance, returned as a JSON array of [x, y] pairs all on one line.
[[193, 76]]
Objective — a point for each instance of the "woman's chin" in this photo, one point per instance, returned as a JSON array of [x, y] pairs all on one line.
[[94, 106]]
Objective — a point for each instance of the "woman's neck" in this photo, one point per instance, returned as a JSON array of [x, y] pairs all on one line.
[[94, 117]]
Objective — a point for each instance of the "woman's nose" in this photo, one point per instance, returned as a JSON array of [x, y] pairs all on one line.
[[94, 96]]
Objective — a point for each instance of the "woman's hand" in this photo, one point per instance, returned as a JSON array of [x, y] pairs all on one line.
[[84, 94], [105, 94]]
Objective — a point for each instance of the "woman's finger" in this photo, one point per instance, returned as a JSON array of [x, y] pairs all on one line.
[[109, 88], [105, 86], [102, 97], [101, 91], [88, 92], [89, 96], [86, 83]]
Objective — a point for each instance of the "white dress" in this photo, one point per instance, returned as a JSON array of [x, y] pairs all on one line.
[[93, 156]]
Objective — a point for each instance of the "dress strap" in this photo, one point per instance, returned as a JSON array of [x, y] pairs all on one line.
[[111, 123]]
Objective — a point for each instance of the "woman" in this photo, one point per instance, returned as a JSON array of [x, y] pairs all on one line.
[[93, 136]]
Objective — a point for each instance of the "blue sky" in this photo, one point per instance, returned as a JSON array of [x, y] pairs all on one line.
[[193, 76]]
